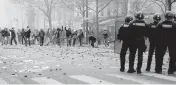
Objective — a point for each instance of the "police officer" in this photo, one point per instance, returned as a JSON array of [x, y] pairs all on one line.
[[175, 21], [137, 33], [167, 31], [124, 36], [152, 35]]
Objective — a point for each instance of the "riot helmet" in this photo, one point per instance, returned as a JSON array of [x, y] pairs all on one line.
[[169, 15], [157, 17], [139, 16], [128, 19]]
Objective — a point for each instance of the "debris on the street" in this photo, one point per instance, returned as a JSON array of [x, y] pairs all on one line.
[[64, 74], [39, 74], [25, 76]]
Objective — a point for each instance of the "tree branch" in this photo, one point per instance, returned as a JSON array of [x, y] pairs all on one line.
[[81, 8], [160, 6], [147, 6], [163, 4], [71, 8], [91, 8], [173, 1], [42, 11], [105, 6]]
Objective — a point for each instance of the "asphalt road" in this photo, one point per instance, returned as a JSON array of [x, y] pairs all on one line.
[[71, 65]]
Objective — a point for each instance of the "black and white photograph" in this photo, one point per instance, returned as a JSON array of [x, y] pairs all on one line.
[[96, 42]]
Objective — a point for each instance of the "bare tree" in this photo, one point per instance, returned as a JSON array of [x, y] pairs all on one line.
[[99, 6], [76, 5], [123, 5], [138, 6], [161, 4], [46, 6], [141, 5], [169, 4], [80, 7]]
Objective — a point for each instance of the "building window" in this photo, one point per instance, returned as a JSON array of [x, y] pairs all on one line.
[[102, 13], [108, 11]]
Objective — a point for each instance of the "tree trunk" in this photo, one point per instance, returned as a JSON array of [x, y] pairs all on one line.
[[125, 7], [84, 26], [87, 12], [50, 18], [169, 5], [97, 22], [84, 18], [50, 22]]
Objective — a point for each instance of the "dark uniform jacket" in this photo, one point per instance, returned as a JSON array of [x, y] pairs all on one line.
[[124, 31], [152, 31], [167, 30], [138, 29]]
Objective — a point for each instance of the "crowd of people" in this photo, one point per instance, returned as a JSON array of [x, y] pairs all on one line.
[[43, 37], [161, 35], [47, 37]]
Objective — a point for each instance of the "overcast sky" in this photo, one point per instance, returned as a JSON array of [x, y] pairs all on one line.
[[3, 19], [6, 13]]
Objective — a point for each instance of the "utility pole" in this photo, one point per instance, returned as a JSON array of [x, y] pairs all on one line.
[[97, 23], [83, 2], [87, 12]]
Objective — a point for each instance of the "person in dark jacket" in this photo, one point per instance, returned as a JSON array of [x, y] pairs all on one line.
[[167, 33], [4, 33], [68, 36], [23, 37], [8, 36], [138, 29], [13, 36], [27, 36], [58, 36], [175, 21], [153, 39], [41, 35], [124, 36], [92, 41], [80, 37]]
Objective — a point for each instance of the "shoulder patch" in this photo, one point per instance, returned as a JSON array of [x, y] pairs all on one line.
[[139, 24], [125, 25], [153, 26], [166, 26]]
